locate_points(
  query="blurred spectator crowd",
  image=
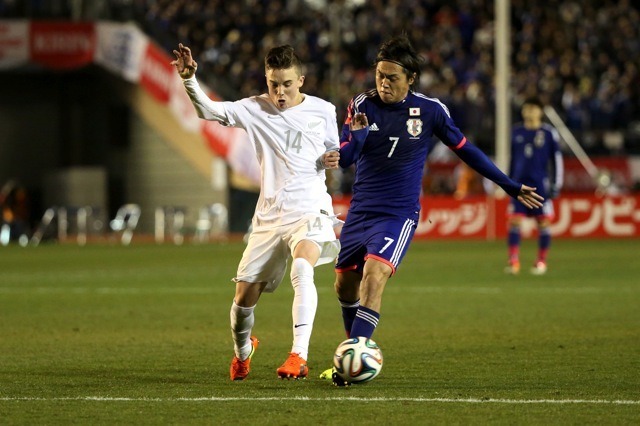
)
(581, 57)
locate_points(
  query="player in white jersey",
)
(295, 137)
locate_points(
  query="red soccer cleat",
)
(240, 369)
(295, 367)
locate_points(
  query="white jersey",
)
(288, 143)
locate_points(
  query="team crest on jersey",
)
(414, 126)
(315, 127)
(538, 140)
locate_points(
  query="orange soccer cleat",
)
(295, 367)
(240, 369)
(513, 268)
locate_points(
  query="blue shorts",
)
(516, 208)
(383, 237)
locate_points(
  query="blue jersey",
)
(536, 159)
(390, 154)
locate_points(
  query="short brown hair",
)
(281, 58)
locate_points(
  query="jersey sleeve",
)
(444, 127)
(478, 161)
(351, 143)
(450, 135)
(205, 107)
(331, 141)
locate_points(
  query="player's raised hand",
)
(529, 197)
(359, 121)
(184, 62)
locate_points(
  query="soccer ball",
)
(357, 360)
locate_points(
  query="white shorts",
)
(266, 256)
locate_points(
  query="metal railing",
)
(65, 222)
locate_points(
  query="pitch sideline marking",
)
(327, 399)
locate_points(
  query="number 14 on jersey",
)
(293, 141)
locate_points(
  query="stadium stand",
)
(581, 57)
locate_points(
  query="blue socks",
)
(544, 241)
(349, 311)
(364, 323)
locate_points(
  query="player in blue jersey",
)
(537, 161)
(388, 134)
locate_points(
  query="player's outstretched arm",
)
(529, 197)
(184, 62)
(478, 161)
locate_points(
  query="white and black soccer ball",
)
(357, 360)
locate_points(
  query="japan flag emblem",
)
(414, 126)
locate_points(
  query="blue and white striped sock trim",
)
(366, 316)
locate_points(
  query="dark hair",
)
(533, 100)
(400, 51)
(281, 58)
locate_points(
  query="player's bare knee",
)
(377, 269)
(374, 282)
(247, 294)
(544, 223)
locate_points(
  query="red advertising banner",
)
(62, 45)
(591, 216)
(446, 217)
(215, 134)
(576, 178)
(576, 216)
(156, 73)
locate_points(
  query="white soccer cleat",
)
(540, 268)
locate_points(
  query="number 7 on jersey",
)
(395, 140)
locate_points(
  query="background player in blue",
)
(388, 134)
(537, 161)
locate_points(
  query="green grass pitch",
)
(105, 334)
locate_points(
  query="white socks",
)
(305, 303)
(303, 312)
(241, 324)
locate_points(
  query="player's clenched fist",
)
(184, 62)
(359, 121)
(330, 159)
